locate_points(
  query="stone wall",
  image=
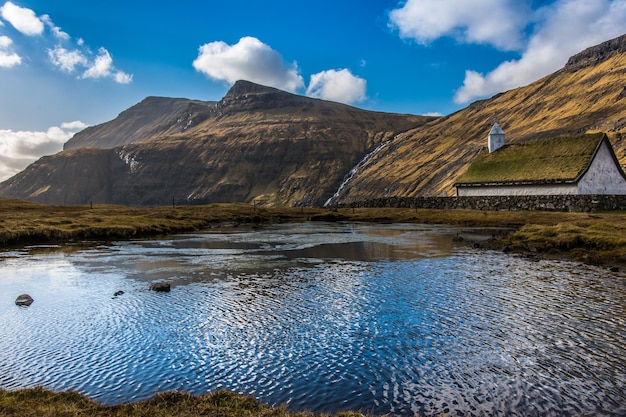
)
(583, 203)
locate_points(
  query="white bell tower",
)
(496, 136)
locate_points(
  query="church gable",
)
(604, 174)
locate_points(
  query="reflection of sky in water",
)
(376, 318)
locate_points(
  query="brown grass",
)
(23, 222)
(43, 403)
(587, 237)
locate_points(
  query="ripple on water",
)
(472, 332)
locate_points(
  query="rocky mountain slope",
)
(587, 95)
(256, 144)
(153, 117)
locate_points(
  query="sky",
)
(66, 65)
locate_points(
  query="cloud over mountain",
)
(561, 30)
(249, 59)
(252, 60)
(337, 85)
(544, 37)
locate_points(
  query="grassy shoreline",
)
(596, 238)
(45, 403)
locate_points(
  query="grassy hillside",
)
(428, 160)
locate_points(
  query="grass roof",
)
(541, 160)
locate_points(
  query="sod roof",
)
(561, 159)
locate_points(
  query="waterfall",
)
(352, 174)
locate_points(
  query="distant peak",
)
(246, 95)
(248, 87)
(596, 54)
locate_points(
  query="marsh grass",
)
(43, 403)
(587, 237)
(23, 222)
(599, 242)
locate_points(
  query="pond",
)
(394, 319)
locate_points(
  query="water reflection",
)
(383, 319)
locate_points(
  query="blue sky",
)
(65, 64)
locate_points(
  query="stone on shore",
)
(160, 287)
(24, 300)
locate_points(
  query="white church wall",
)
(504, 190)
(602, 177)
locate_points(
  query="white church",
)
(584, 164)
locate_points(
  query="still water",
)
(378, 318)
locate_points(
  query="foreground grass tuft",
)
(43, 403)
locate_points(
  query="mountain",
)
(587, 95)
(265, 145)
(153, 117)
(257, 143)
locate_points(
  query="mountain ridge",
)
(596, 54)
(153, 116)
(257, 143)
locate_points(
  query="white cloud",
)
(56, 31)
(75, 60)
(75, 125)
(121, 77)
(8, 58)
(337, 85)
(69, 60)
(22, 19)
(19, 149)
(496, 22)
(562, 29)
(66, 60)
(101, 67)
(249, 59)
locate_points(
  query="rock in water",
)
(24, 300)
(120, 292)
(160, 287)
